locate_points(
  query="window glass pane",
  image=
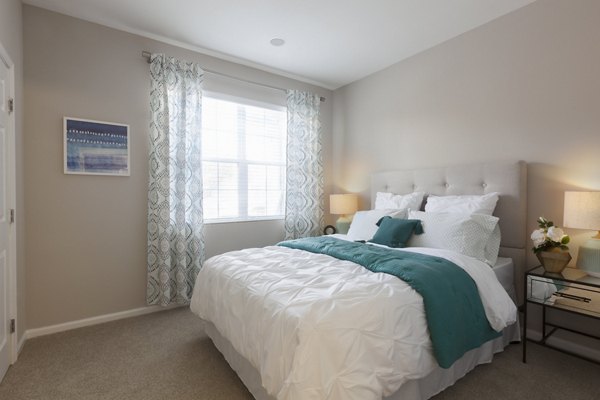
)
(210, 204)
(228, 176)
(255, 148)
(227, 145)
(275, 178)
(210, 175)
(257, 177)
(228, 190)
(209, 113)
(226, 130)
(226, 116)
(273, 150)
(228, 204)
(209, 142)
(255, 121)
(275, 202)
(257, 203)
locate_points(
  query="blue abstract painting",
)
(94, 147)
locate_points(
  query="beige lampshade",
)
(582, 210)
(343, 204)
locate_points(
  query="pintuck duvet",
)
(317, 327)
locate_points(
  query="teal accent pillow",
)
(395, 232)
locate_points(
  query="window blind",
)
(243, 159)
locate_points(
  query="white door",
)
(5, 130)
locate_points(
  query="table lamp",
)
(582, 211)
(344, 205)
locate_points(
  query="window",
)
(243, 160)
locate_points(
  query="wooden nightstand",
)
(571, 291)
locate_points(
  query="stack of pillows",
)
(459, 223)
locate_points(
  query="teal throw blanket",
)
(453, 308)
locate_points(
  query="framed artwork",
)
(96, 147)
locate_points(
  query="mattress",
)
(505, 272)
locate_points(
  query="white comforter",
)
(320, 328)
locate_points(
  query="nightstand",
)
(571, 291)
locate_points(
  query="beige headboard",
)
(507, 178)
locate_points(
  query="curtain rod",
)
(147, 55)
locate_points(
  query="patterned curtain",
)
(175, 231)
(304, 214)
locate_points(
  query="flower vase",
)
(554, 261)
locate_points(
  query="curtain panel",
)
(304, 215)
(175, 227)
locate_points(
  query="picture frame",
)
(96, 147)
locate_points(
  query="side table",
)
(571, 291)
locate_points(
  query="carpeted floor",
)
(166, 356)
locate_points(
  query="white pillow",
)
(363, 226)
(463, 233)
(468, 204)
(385, 200)
(471, 204)
(492, 247)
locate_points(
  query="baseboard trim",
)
(21, 343)
(67, 326)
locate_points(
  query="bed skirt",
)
(418, 389)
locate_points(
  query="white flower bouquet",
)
(548, 237)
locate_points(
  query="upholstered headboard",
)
(507, 178)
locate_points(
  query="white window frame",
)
(243, 164)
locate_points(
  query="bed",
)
(284, 345)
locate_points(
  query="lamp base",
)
(342, 225)
(589, 257)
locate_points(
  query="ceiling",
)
(327, 42)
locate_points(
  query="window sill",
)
(232, 220)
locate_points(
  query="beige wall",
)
(11, 37)
(525, 86)
(86, 235)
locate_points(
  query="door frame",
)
(11, 201)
